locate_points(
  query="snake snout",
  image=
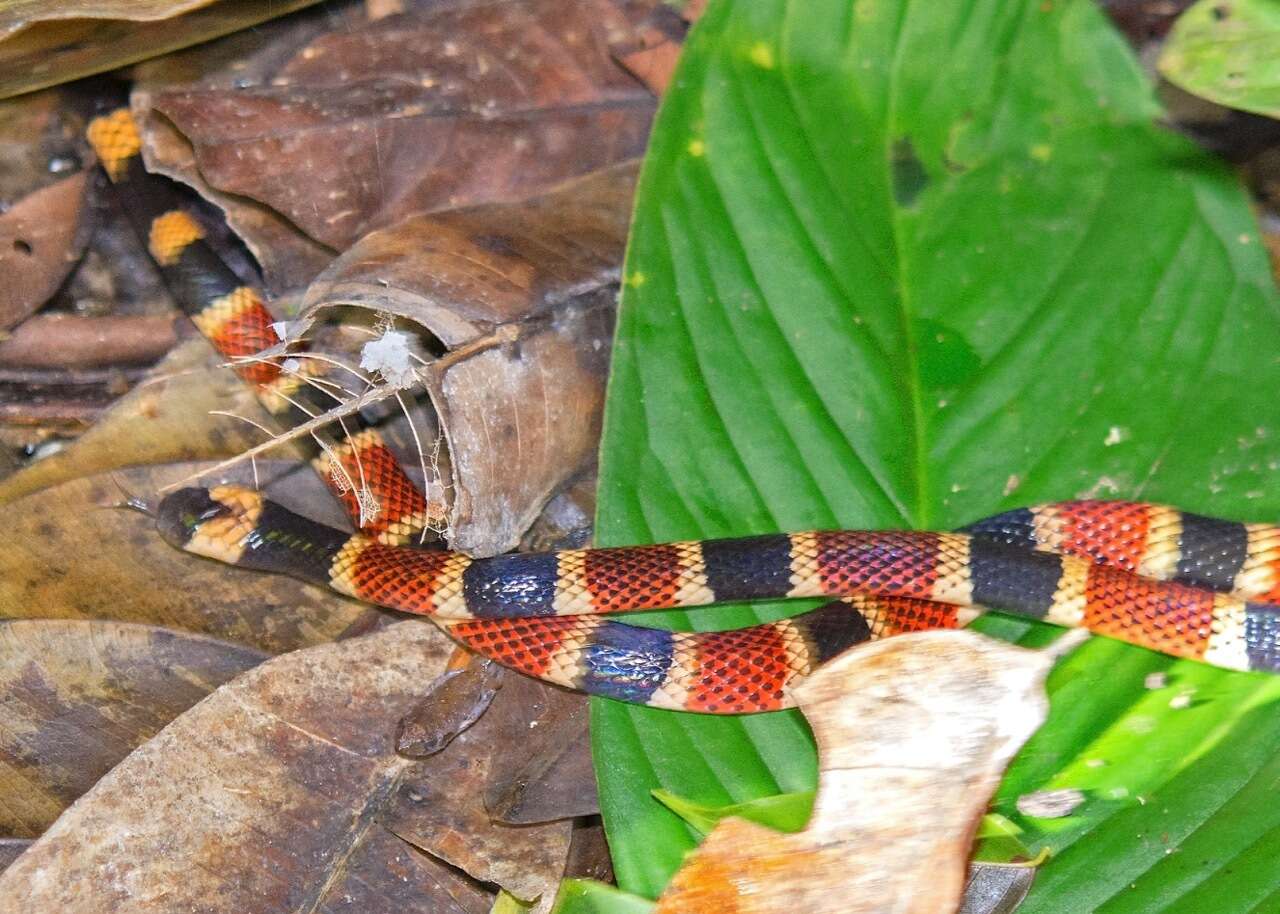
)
(181, 513)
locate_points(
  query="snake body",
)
(1179, 583)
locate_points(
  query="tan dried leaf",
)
(166, 419)
(266, 796)
(77, 697)
(913, 735)
(45, 44)
(66, 557)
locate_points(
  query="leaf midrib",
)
(921, 517)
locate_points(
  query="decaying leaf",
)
(67, 558)
(77, 697)
(913, 734)
(550, 778)
(40, 239)
(287, 256)
(440, 805)
(45, 44)
(450, 106)
(519, 417)
(449, 706)
(266, 796)
(168, 418)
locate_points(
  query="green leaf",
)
(784, 812)
(908, 264)
(1228, 51)
(506, 903)
(582, 896)
(789, 812)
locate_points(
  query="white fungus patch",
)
(389, 355)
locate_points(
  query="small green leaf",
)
(789, 812)
(506, 903)
(1228, 51)
(582, 896)
(785, 812)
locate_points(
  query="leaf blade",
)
(1058, 300)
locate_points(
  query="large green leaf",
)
(909, 263)
(1228, 51)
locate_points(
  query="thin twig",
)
(502, 335)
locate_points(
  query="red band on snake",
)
(540, 612)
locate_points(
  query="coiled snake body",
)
(1179, 583)
(1187, 585)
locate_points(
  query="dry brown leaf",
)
(449, 706)
(40, 241)
(288, 257)
(551, 777)
(66, 558)
(430, 110)
(913, 735)
(520, 419)
(77, 697)
(440, 804)
(73, 342)
(45, 44)
(165, 419)
(266, 796)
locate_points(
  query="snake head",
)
(210, 522)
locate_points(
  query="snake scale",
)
(1186, 585)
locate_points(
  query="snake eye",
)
(183, 512)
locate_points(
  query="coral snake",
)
(1175, 582)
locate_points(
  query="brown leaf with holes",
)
(266, 796)
(522, 298)
(40, 241)
(65, 557)
(77, 697)
(905, 772)
(448, 106)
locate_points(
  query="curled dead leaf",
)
(450, 705)
(536, 279)
(913, 735)
(435, 109)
